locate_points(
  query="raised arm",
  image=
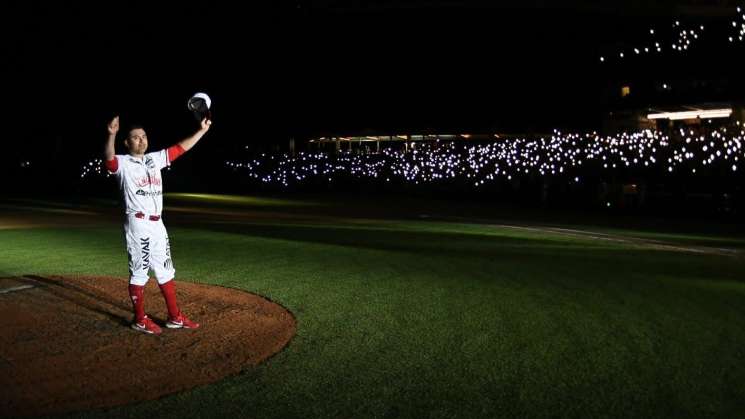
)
(113, 128)
(189, 142)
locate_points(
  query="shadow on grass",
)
(552, 256)
(391, 239)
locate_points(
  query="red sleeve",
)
(174, 152)
(112, 165)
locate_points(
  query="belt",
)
(149, 217)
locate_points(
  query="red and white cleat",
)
(181, 322)
(147, 326)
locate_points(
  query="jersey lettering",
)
(140, 182)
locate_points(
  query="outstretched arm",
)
(189, 142)
(113, 128)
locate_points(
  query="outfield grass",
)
(417, 318)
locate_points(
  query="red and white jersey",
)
(140, 180)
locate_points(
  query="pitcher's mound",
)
(66, 344)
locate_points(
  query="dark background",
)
(281, 70)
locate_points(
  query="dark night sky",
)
(298, 68)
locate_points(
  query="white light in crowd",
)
(683, 41)
(560, 155)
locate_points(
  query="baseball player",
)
(148, 249)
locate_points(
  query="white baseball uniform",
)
(141, 185)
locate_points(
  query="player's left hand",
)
(205, 124)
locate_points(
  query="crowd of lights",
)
(739, 26)
(564, 155)
(682, 38)
(94, 168)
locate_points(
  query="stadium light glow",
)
(703, 114)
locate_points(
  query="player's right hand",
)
(114, 126)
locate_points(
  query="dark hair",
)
(132, 127)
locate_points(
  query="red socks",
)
(169, 293)
(136, 293)
(138, 301)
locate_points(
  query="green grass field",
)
(430, 318)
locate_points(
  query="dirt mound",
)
(66, 345)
